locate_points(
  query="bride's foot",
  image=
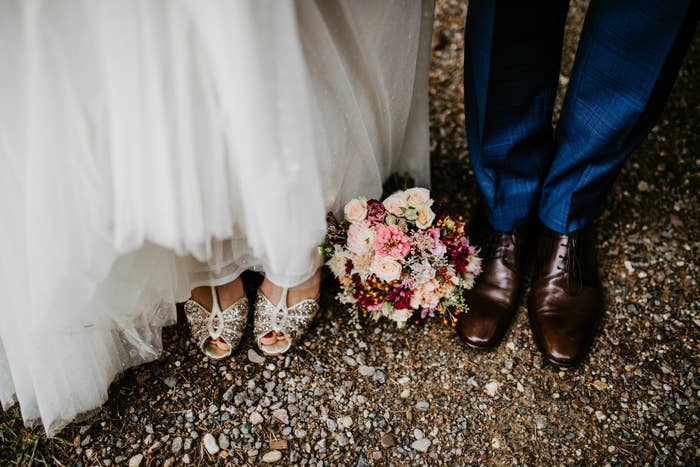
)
(218, 332)
(279, 326)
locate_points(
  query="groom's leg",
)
(511, 73)
(628, 58)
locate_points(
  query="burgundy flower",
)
(375, 211)
(458, 253)
(439, 207)
(401, 297)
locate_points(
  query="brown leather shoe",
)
(566, 298)
(493, 300)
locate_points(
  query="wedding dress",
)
(150, 147)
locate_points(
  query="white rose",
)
(417, 197)
(386, 268)
(425, 217)
(401, 317)
(395, 203)
(356, 210)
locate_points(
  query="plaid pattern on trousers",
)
(628, 57)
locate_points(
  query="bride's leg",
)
(228, 295)
(311, 288)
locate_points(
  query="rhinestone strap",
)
(292, 321)
(228, 324)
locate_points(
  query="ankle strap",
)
(283, 299)
(215, 329)
(214, 299)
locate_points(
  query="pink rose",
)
(389, 240)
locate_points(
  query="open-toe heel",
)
(212, 329)
(278, 327)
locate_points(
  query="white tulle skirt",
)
(150, 147)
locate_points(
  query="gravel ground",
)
(364, 396)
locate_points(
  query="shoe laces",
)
(570, 263)
(496, 245)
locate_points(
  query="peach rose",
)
(427, 295)
(386, 268)
(425, 217)
(417, 197)
(395, 203)
(356, 210)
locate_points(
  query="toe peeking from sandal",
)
(278, 327)
(218, 332)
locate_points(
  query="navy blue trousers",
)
(628, 57)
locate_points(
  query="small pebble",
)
(331, 425)
(379, 377)
(256, 418)
(272, 456)
(422, 406)
(254, 357)
(387, 441)
(210, 444)
(421, 445)
(491, 388)
(176, 446)
(281, 415)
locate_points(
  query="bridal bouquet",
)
(400, 258)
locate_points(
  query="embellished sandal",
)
(217, 326)
(278, 327)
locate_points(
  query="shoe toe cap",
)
(564, 341)
(484, 325)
